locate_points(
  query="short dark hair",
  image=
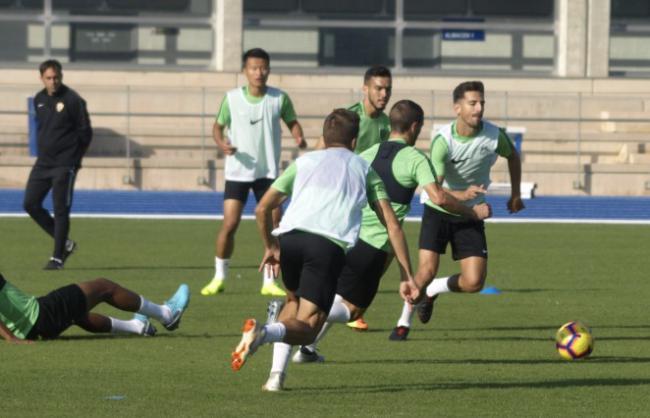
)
(340, 127)
(376, 71)
(256, 53)
(403, 114)
(459, 91)
(45, 65)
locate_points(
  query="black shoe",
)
(54, 264)
(425, 309)
(399, 333)
(69, 248)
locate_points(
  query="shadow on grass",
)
(590, 360)
(549, 384)
(160, 335)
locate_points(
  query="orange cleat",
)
(358, 325)
(252, 335)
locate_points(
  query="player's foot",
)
(54, 264)
(399, 333)
(178, 303)
(272, 289)
(252, 335)
(425, 309)
(68, 249)
(273, 310)
(306, 355)
(358, 325)
(215, 286)
(275, 383)
(148, 330)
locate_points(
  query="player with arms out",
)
(252, 114)
(328, 190)
(462, 154)
(24, 318)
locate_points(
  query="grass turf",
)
(482, 355)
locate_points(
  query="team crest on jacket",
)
(59, 106)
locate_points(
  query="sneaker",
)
(425, 309)
(306, 355)
(358, 325)
(275, 383)
(70, 247)
(148, 330)
(272, 289)
(215, 286)
(54, 264)
(273, 310)
(252, 335)
(178, 303)
(399, 333)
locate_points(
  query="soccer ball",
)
(571, 328)
(574, 341)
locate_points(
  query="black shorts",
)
(238, 190)
(311, 266)
(467, 237)
(359, 280)
(57, 311)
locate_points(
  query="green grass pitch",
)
(482, 355)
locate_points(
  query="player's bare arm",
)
(220, 139)
(448, 201)
(386, 215)
(9, 337)
(515, 204)
(263, 215)
(297, 134)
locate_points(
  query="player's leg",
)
(38, 185)
(105, 291)
(235, 197)
(270, 286)
(62, 191)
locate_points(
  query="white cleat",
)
(306, 355)
(275, 383)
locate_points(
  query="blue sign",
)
(463, 35)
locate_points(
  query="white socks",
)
(339, 313)
(268, 274)
(221, 268)
(132, 326)
(161, 312)
(274, 333)
(407, 314)
(438, 286)
(281, 354)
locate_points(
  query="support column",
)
(598, 21)
(571, 35)
(228, 27)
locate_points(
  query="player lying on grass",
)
(328, 190)
(462, 154)
(24, 318)
(402, 169)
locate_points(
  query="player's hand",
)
(301, 143)
(227, 149)
(473, 191)
(271, 259)
(482, 211)
(409, 291)
(515, 204)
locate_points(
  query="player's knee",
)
(31, 206)
(472, 283)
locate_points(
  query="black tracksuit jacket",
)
(64, 131)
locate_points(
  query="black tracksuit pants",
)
(61, 181)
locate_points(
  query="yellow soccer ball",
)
(571, 328)
(575, 346)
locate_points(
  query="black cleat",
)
(399, 333)
(425, 309)
(68, 249)
(54, 264)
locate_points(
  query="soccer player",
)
(328, 190)
(462, 154)
(252, 114)
(64, 135)
(402, 169)
(24, 317)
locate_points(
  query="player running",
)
(462, 154)
(328, 190)
(24, 318)
(402, 168)
(252, 114)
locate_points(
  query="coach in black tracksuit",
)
(64, 134)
